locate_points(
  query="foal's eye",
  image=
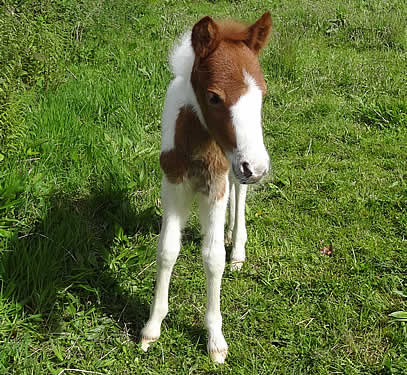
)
(214, 98)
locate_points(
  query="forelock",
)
(232, 31)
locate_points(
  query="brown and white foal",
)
(211, 124)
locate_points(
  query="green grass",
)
(82, 86)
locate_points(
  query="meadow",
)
(324, 288)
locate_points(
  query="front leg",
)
(176, 200)
(212, 213)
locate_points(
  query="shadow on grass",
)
(68, 253)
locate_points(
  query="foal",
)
(211, 123)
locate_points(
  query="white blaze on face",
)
(246, 119)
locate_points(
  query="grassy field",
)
(82, 85)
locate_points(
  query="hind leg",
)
(239, 233)
(176, 201)
(232, 211)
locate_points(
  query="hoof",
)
(236, 265)
(146, 341)
(217, 348)
(219, 356)
(149, 334)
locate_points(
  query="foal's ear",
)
(259, 33)
(204, 37)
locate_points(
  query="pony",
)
(212, 146)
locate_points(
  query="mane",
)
(182, 55)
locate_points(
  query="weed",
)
(386, 113)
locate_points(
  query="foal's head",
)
(229, 87)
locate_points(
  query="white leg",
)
(232, 209)
(176, 201)
(212, 215)
(239, 236)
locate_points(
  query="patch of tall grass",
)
(38, 40)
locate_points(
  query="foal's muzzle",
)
(248, 171)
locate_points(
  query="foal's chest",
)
(196, 157)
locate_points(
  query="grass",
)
(82, 89)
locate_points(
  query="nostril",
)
(246, 169)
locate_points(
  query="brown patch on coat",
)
(174, 165)
(196, 156)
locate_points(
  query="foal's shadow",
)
(68, 252)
